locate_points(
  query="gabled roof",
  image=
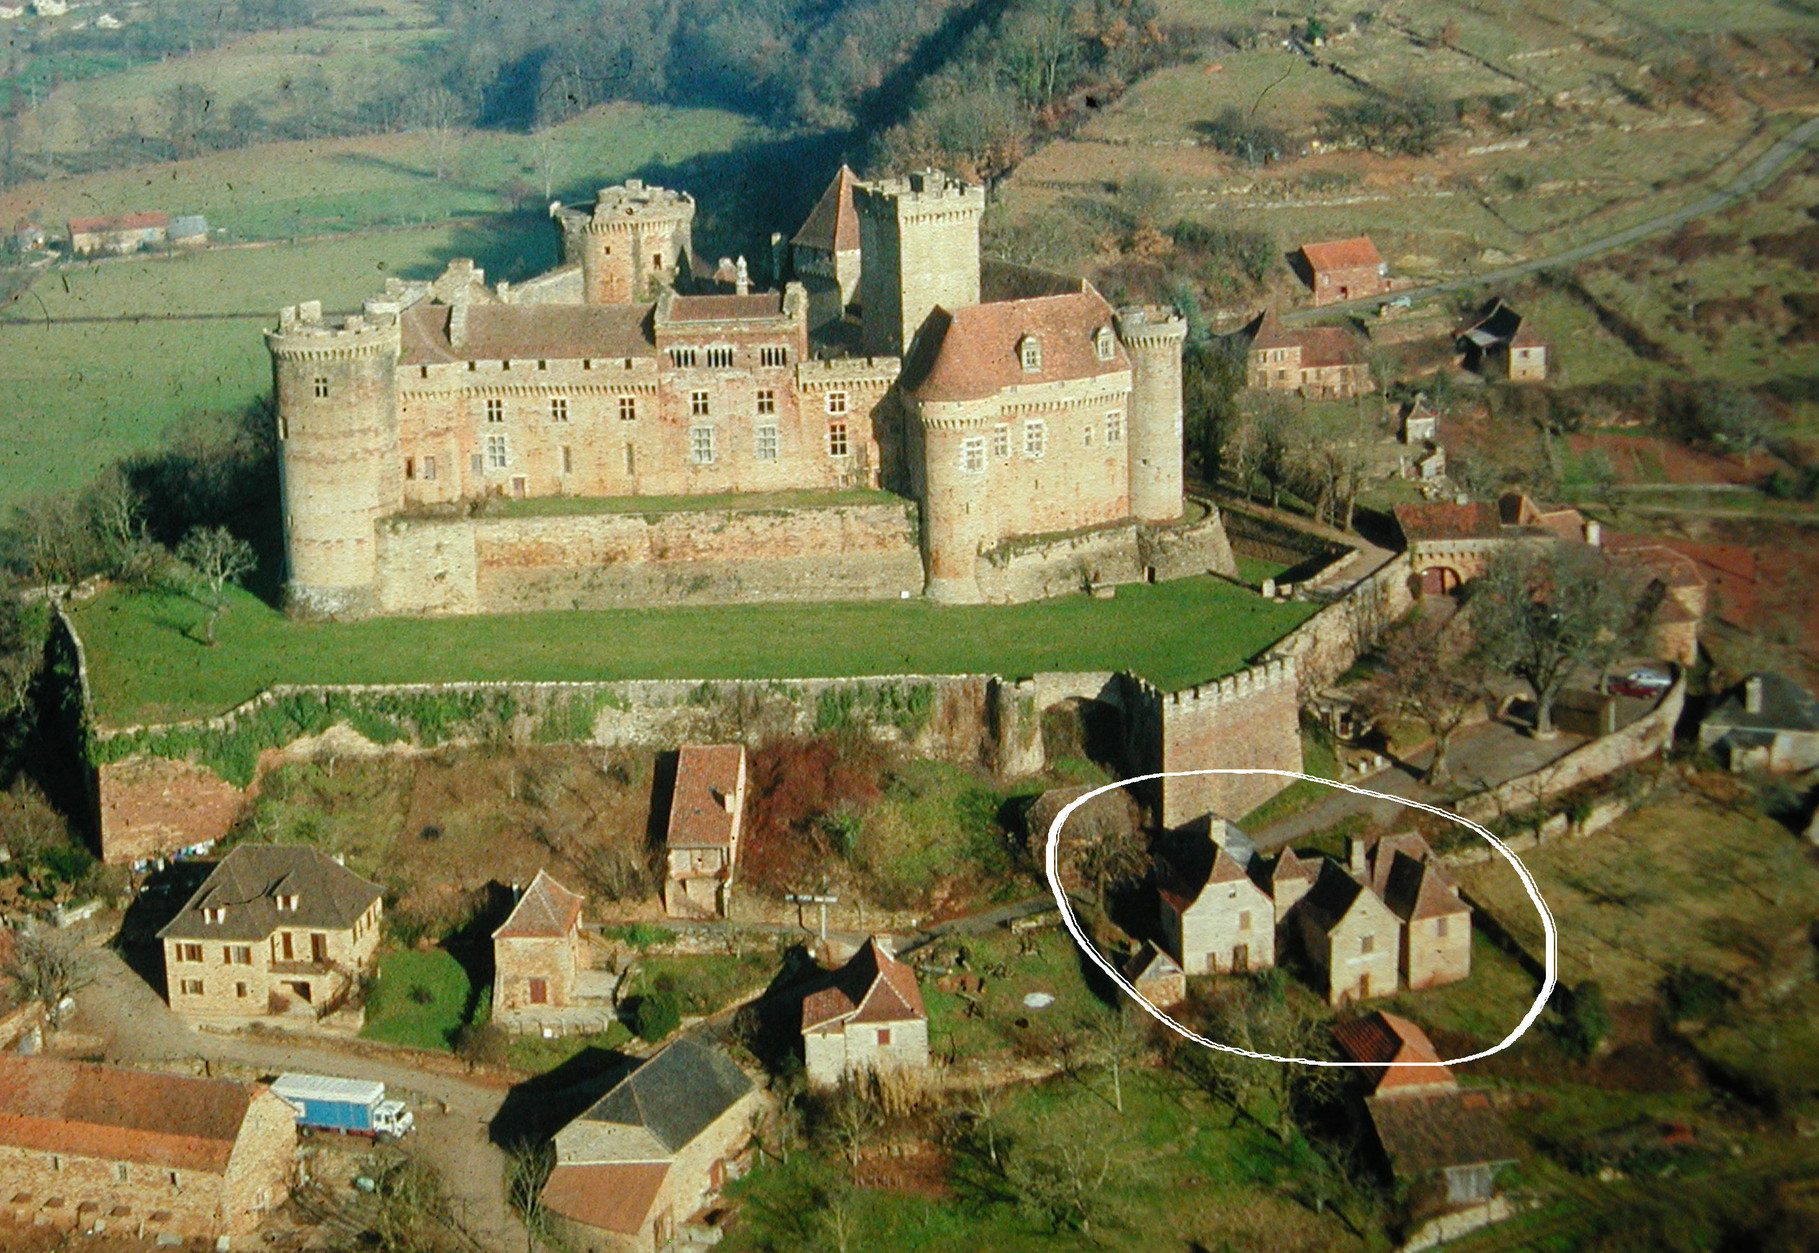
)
(1420, 889)
(1380, 1038)
(1438, 1130)
(1342, 254)
(247, 882)
(120, 222)
(1334, 895)
(872, 987)
(701, 808)
(673, 1097)
(1494, 321)
(1319, 345)
(1289, 866)
(171, 1121)
(1268, 332)
(972, 353)
(547, 909)
(721, 308)
(1150, 962)
(614, 1196)
(1786, 706)
(1445, 520)
(520, 332)
(833, 224)
(1381, 856)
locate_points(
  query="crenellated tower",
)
(634, 238)
(919, 244)
(338, 453)
(1153, 338)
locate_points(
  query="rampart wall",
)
(589, 561)
(1326, 645)
(1020, 570)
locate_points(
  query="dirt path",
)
(1750, 180)
(453, 1115)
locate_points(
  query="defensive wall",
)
(1325, 646)
(1034, 568)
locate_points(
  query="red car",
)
(1646, 682)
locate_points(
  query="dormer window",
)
(287, 902)
(1102, 343)
(214, 913)
(1029, 351)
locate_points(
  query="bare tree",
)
(218, 557)
(1428, 670)
(1116, 1039)
(439, 113)
(1260, 1015)
(1058, 1176)
(47, 970)
(546, 159)
(853, 1119)
(411, 1212)
(1542, 613)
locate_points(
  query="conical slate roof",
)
(833, 224)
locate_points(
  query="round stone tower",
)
(634, 238)
(918, 248)
(340, 469)
(952, 466)
(1153, 338)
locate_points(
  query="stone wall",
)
(1253, 535)
(1250, 720)
(1020, 570)
(590, 561)
(1326, 645)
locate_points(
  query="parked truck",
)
(356, 1106)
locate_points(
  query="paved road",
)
(452, 1115)
(1753, 177)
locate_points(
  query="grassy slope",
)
(146, 665)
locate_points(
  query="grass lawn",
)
(1317, 758)
(1053, 967)
(536, 1055)
(420, 999)
(705, 984)
(146, 662)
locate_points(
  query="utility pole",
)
(799, 899)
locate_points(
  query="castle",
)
(1020, 436)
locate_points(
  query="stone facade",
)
(1355, 946)
(619, 376)
(701, 844)
(537, 950)
(1248, 721)
(149, 1155)
(869, 1017)
(1345, 269)
(1226, 925)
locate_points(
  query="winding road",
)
(1750, 180)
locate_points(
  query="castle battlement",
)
(1256, 678)
(632, 201)
(1150, 325)
(303, 332)
(829, 371)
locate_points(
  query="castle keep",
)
(1018, 436)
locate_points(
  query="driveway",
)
(453, 1115)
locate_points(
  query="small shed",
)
(189, 230)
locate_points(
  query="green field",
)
(419, 999)
(146, 663)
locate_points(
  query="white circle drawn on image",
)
(1051, 855)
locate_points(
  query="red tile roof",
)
(547, 909)
(767, 304)
(872, 987)
(520, 332)
(613, 1196)
(1319, 345)
(1381, 1038)
(833, 224)
(1444, 520)
(971, 353)
(116, 1114)
(707, 778)
(120, 222)
(1342, 254)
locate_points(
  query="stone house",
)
(1321, 362)
(1289, 878)
(537, 949)
(639, 1168)
(26, 236)
(189, 230)
(1349, 936)
(1436, 923)
(870, 1017)
(1156, 977)
(156, 1156)
(701, 848)
(124, 233)
(274, 929)
(1499, 342)
(1345, 269)
(1214, 918)
(1766, 722)
(1447, 1142)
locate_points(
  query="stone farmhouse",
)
(1349, 935)
(1498, 342)
(1766, 722)
(983, 404)
(1345, 269)
(161, 1157)
(638, 1168)
(124, 233)
(1446, 1141)
(869, 1018)
(275, 929)
(1321, 362)
(701, 847)
(537, 949)
(1214, 918)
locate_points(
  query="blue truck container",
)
(356, 1106)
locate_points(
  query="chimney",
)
(742, 279)
(1355, 854)
(1594, 532)
(457, 324)
(1752, 694)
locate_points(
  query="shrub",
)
(1694, 994)
(656, 1014)
(1584, 1019)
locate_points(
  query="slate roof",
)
(614, 1196)
(519, 332)
(873, 986)
(248, 881)
(1150, 962)
(1332, 896)
(1786, 706)
(1434, 1131)
(972, 353)
(547, 909)
(1342, 254)
(171, 1121)
(833, 224)
(1419, 889)
(1381, 1038)
(675, 1095)
(1380, 857)
(706, 776)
